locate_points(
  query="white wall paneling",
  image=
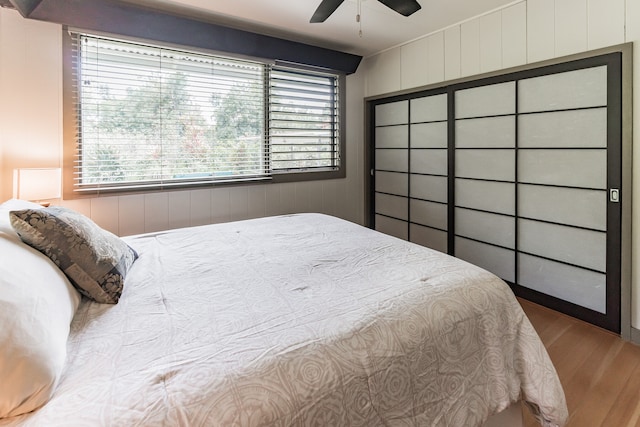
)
(200, 207)
(414, 64)
(435, 63)
(452, 53)
(570, 26)
(105, 213)
(470, 48)
(541, 36)
(257, 201)
(383, 72)
(156, 212)
(131, 215)
(179, 216)
(605, 23)
(239, 203)
(490, 41)
(514, 35)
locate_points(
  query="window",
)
(147, 116)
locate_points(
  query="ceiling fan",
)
(327, 7)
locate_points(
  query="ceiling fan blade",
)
(403, 7)
(326, 8)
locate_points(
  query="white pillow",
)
(37, 304)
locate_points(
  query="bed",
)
(299, 320)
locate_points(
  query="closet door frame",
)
(619, 159)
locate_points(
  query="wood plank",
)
(599, 371)
(626, 409)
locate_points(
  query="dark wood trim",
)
(614, 180)
(119, 17)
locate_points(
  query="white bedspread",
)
(299, 320)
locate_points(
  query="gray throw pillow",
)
(95, 260)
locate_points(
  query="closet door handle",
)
(614, 195)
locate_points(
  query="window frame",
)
(71, 140)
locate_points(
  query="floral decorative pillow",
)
(95, 260)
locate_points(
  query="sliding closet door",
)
(410, 170)
(567, 134)
(485, 175)
(520, 174)
(391, 169)
(428, 165)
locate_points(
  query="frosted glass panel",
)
(429, 135)
(488, 196)
(392, 137)
(499, 261)
(429, 213)
(433, 188)
(572, 168)
(579, 128)
(429, 109)
(394, 206)
(491, 228)
(486, 164)
(483, 101)
(429, 161)
(583, 208)
(392, 182)
(393, 227)
(429, 237)
(489, 132)
(572, 89)
(392, 160)
(572, 245)
(578, 286)
(392, 114)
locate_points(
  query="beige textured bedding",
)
(300, 320)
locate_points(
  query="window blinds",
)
(303, 121)
(149, 116)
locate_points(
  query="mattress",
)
(300, 320)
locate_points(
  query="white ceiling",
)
(382, 28)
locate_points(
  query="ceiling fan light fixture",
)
(327, 7)
(324, 10)
(403, 7)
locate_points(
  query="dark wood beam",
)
(25, 7)
(118, 17)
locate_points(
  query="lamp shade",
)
(37, 183)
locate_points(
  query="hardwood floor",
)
(599, 371)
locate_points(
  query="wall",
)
(31, 136)
(521, 33)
